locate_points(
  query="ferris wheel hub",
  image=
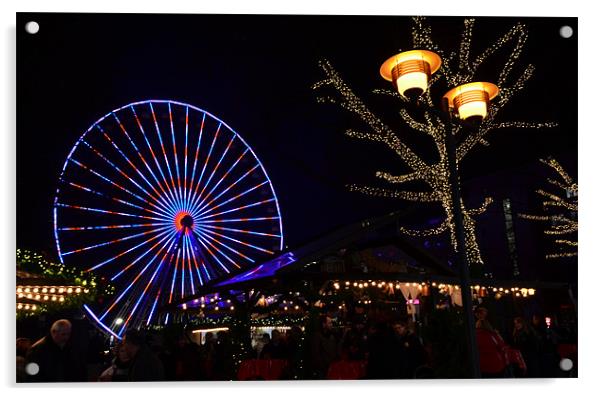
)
(187, 221)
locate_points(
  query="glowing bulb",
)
(406, 83)
(44, 290)
(118, 321)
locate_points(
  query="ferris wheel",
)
(161, 197)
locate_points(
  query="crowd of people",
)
(536, 341)
(374, 349)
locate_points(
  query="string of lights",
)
(563, 208)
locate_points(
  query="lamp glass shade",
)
(473, 109)
(414, 80)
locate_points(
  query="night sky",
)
(255, 73)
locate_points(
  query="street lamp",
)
(471, 101)
(410, 73)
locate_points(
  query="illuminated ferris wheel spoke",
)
(143, 243)
(127, 159)
(157, 296)
(228, 247)
(137, 150)
(162, 228)
(165, 201)
(228, 188)
(196, 189)
(166, 192)
(111, 227)
(206, 243)
(105, 179)
(196, 264)
(182, 276)
(135, 280)
(242, 219)
(238, 196)
(219, 162)
(149, 283)
(77, 207)
(238, 208)
(121, 201)
(114, 241)
(188, 259)
(238, 241)
(196, 157)
(186, 154)
(241, 231)
(175, 153)
(163, 148)
(127, 177)
(216, 185)
(150, 316)
(173, 282)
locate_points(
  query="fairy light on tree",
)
(561, 219)
(456, 69)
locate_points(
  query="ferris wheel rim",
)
(210, 225)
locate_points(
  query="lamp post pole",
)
(410, 71)
(461, 256)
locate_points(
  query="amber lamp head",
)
(410, 71)
(470, 102)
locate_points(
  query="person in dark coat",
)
(120, 367)
(145, 365)
(53, 359)
(525, 340)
